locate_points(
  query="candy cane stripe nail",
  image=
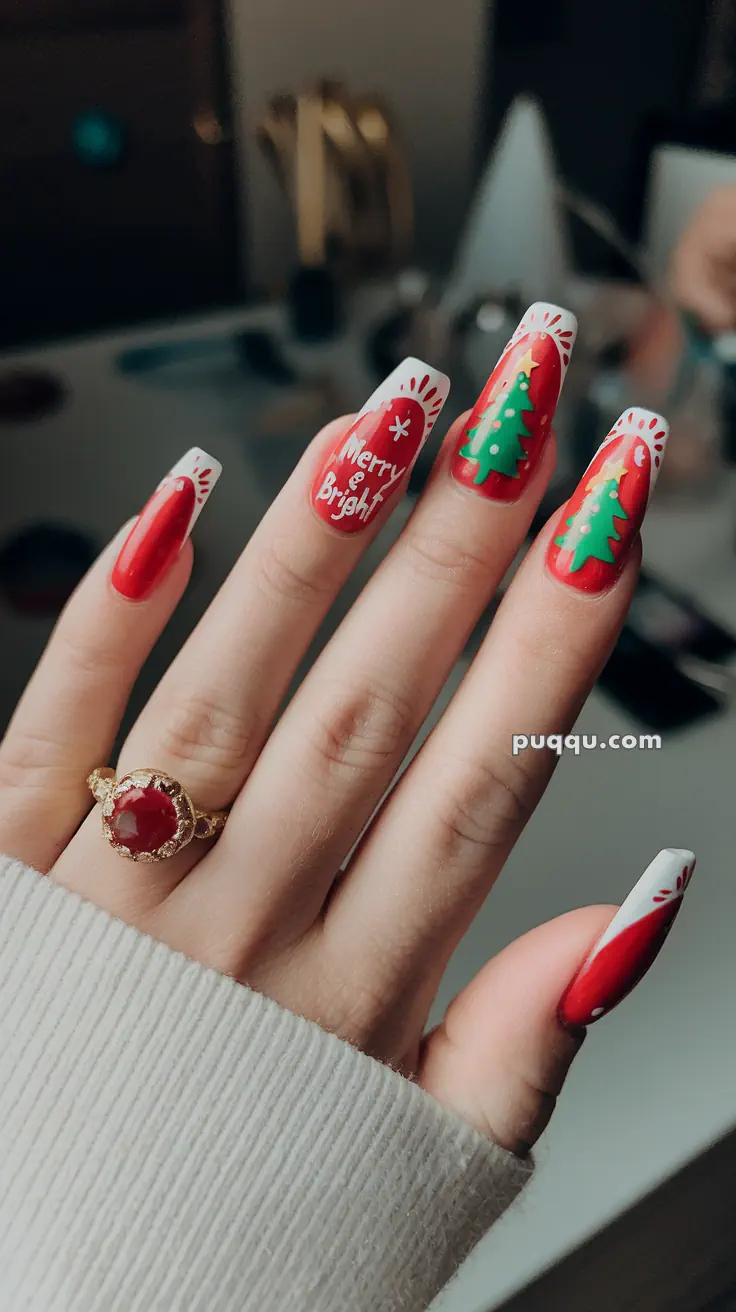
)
(504, 437)
(164, 525)
(370, 462)
(635, 936)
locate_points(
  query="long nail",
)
(164, 525)
(503, 440)
(623, 955)
(371, 461)
(603, 516)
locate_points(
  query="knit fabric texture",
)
(171, 1141)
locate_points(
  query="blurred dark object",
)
(673, 622)
(141, 87)
(408, 326)
(536, 23)
(41, 566)
(30, 16)
(263, 354)
(715, 83)
(314, 304)
(665, 666)
(385, 342)
(729, 404)
(650, 686)
(671, 1252)
(28, 394)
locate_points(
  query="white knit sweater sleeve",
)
(173, 1142)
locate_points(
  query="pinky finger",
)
(67, 720)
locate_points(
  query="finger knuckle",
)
(540, 648)
(363, 729)
(90, 657)
(281, 574)
(484, 804)
(30, 761)
(443, 558)
(201, 730)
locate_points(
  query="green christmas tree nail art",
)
(592, 530)
(494, 441)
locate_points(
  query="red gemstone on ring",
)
(143, 819)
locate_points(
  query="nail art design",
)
(505, 435)
(623, 955)
(370, 462)
(604, 514)
(164, 525)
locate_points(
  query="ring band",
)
(148, 816)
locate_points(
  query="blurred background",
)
(221, 224)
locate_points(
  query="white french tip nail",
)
(203, 471)
(664, 880)
(632, 941)
(650, 428)
(413, 378)
(556, 322)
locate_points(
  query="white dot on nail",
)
(494, 449)
(585, 528)
(597, 1011)
(509, 413)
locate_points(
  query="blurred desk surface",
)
(655, 1083)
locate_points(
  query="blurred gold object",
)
(346, 176)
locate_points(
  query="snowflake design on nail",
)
(399, 428)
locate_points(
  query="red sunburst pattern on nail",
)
(548, 321)
(431, 400)
(681, 883)
(201, 477)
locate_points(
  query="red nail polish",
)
(503, 440)
(604, 514)
(372, 461)
(634, 938)
(164, 525)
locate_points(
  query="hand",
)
(358, 943)
(704, 264)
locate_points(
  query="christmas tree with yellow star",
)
(591, 531)
(494, 441)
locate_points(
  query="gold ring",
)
(148, 816)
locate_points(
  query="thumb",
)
(500, 1056)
